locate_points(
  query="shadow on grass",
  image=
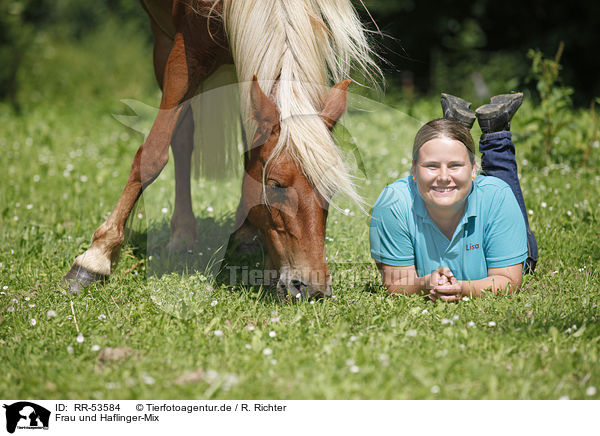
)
(216, 255)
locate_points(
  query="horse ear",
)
(264, 110)
(335, 104)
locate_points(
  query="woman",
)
(445, 230)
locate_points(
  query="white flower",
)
(354, 369)
(209, 209)
(101, 317)
(51, 314)
(411, 333)
(455, 318)
(32, 305)
(274, 361)
(250, 327)
(27, 298)
(164, 210)
(471, 324)
(214, 303)
(80, 338)
(5, 287)
(248, 347)
(569, 213)
(140, 216)
(591, 391)
(346, 211)
(435, 389)
(148, 379)
(530, 212)
(218, 333)
(424, 312)
(70, 349)
(447, 321)
(33, 321)
(352, 338)
(492, 324)
(544, 204)
(267, 351)
(95, 347)
(272, 334)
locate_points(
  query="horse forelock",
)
(297, 48)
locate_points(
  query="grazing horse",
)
(285, 53)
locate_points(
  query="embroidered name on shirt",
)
(472, 246)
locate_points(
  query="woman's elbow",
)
(515, 284)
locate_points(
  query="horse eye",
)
(272, 183)
(276, 192)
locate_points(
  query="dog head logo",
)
(26, 415)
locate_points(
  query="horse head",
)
(282, 203)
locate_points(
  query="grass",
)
(65, 160)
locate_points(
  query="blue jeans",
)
(498, 160)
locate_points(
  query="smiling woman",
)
(447, 231)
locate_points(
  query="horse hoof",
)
(176, 246)
(79, 277)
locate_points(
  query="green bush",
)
(15, 36)
(557, 133)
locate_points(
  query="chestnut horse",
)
(285, 52)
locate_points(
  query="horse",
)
(285, 53)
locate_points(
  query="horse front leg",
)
(183, 74)
(183, 222)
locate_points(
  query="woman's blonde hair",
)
(444, 128)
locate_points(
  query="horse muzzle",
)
(298, 288)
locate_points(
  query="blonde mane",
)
(298, 49)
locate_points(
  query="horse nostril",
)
(298, 288)
(298, 284)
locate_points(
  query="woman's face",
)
(444, 174)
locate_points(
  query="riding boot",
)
(457, 109)
(496, 116)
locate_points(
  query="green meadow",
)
(164, 328)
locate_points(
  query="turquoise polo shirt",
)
(491, 233)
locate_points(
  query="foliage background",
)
(474, 48)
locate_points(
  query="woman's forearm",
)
(408, 285)
(493, 284)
